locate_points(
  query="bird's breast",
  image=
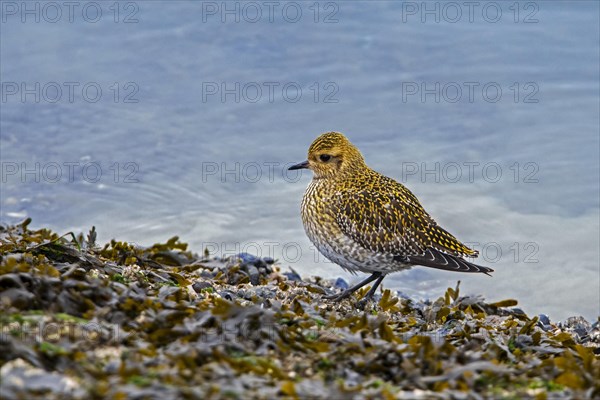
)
(319, 216)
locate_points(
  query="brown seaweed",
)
(123, 321)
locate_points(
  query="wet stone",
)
(247, 257)
(207, 274)
(228, 294)
(201, 286)
(254, 275)
(292, 275)
(543, 318)
(10, 281)
(340, 283)
(17, 298)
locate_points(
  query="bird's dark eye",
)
(324, 157)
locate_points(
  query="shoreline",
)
(82, 320)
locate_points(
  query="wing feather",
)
(385, 216)
(436, 259)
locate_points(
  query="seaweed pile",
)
(121, 321)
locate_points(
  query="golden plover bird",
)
(367, 222)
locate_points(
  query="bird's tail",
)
(436, 259)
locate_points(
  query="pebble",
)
(254, 275)
(292, 276)
(201, 286)
(340, 283)
(247, 257)
(543, 318)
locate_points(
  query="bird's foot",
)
(362, 303)
(376, 276)
(338, 296)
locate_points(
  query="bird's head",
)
(332, 155)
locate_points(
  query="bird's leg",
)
(371, 292)
(376, 275)
(363, 302)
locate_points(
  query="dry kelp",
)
(121, 321)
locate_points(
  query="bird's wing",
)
(436, 259)
(390, 219)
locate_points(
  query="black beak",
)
(303, 164)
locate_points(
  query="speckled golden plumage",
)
(365, 221)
